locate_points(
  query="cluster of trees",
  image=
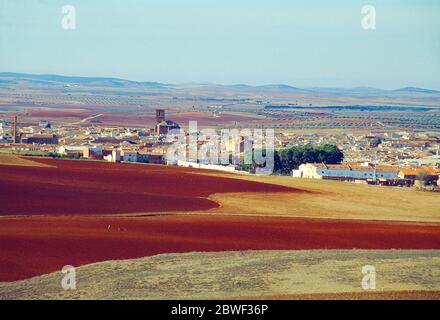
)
(288, 159)
(291, 158)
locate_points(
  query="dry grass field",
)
(332, 199)
(19, 161)
(323, 274)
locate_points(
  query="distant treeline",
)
(288, 159)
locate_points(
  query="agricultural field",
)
(93, 214)
(87, 187)
(12, 160)
(47, 243)
(333, 199)
(120, 102)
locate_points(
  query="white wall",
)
(188, 164)
(311, 172)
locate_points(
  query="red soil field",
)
(58, 113)
(182, 118)
(131, 119)
(87, 187)
(207, 119)
(32, 246)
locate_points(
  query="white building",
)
(63, 150)
(86, 151)
(187, 164)
(114, 157)
(356, 171)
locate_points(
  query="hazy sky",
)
(301, 43)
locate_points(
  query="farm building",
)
(430, 175)
(348, 172)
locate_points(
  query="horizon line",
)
(215, 83)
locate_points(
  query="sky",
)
(301, 43)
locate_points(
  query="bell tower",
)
(160, 115)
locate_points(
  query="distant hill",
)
(416, 90)
(11, 77)
(355, 90)
(281, 87)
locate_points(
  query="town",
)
(400, 158)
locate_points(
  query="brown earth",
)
(87, 187)
(38, 245)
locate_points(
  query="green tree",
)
(287, 159)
